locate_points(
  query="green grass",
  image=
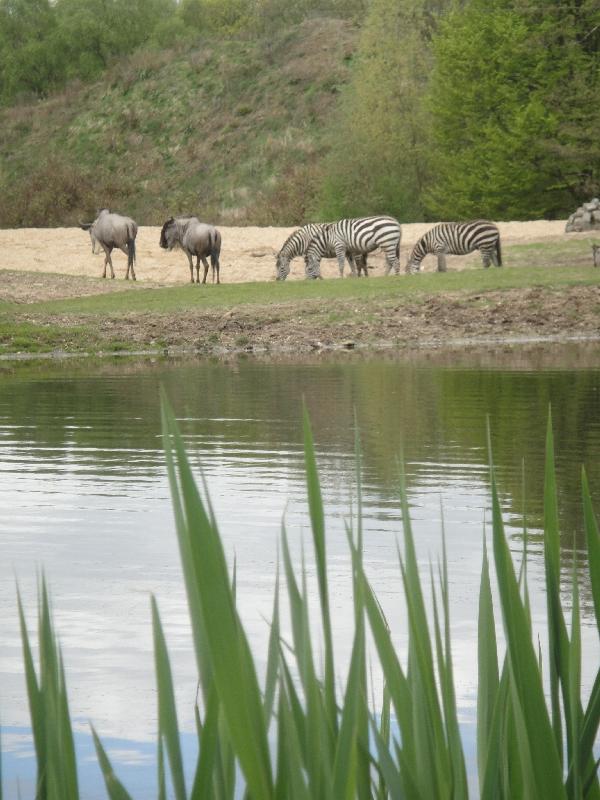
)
(402, 287)
(27, 337)
(329, 738)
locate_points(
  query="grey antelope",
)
(362, 235)
(110, 231)
(195, 238)
(457, 239)
(297, 245)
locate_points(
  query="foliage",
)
(330, 741)
(378, 139)
(515, 102)
(43, 43)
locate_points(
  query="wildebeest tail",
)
(130, 247)
(215, 247)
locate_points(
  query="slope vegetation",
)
(230, 129)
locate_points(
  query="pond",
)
(85, 498)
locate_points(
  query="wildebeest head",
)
(168, 234)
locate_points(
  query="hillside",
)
(231, 129)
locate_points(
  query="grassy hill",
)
(231, 130)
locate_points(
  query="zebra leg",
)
(391, 260)
(313, 268)
(487, 260)
(352, 262)
(340, 252)
(441, 257)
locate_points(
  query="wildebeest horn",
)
(85, 226)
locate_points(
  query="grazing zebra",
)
(353, 236)
(457, 239)
(297, 245)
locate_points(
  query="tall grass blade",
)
(533, 725)
(36, 710)
(162, 785)
(488, 677)
(114, 787)
(576, 785)
(184, 540)
(592, 539)
(272, 673)
(290, 782)
(315, 505)
(231, 662)
(206, 780)
(346, 756)
(168, 728)
(390, 783)
(557, 643)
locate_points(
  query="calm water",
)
(84, 496)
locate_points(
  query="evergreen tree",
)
(515, 105)
(378, 138)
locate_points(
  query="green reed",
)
(300, 736)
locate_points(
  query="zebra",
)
(362, 235)
(297, 245)
(457, 239)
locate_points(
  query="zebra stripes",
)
(457, 239)
(297, 245)
(355, 236)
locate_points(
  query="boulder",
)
(585, 218)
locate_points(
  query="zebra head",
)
(413, 263)
(283, 267)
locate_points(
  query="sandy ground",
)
(248, 254)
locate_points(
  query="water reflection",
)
(84, 493)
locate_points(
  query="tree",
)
(27, 64)
(378, 138)
(515, 102)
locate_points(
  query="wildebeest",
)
(113, 230)
(195, 239)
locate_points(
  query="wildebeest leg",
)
(205, 263)
(191, 260)
(107, 260)
(198, 269)
(441, 257)
(125, 249)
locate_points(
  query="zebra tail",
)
(499, 252)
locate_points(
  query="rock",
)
(585, 218)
